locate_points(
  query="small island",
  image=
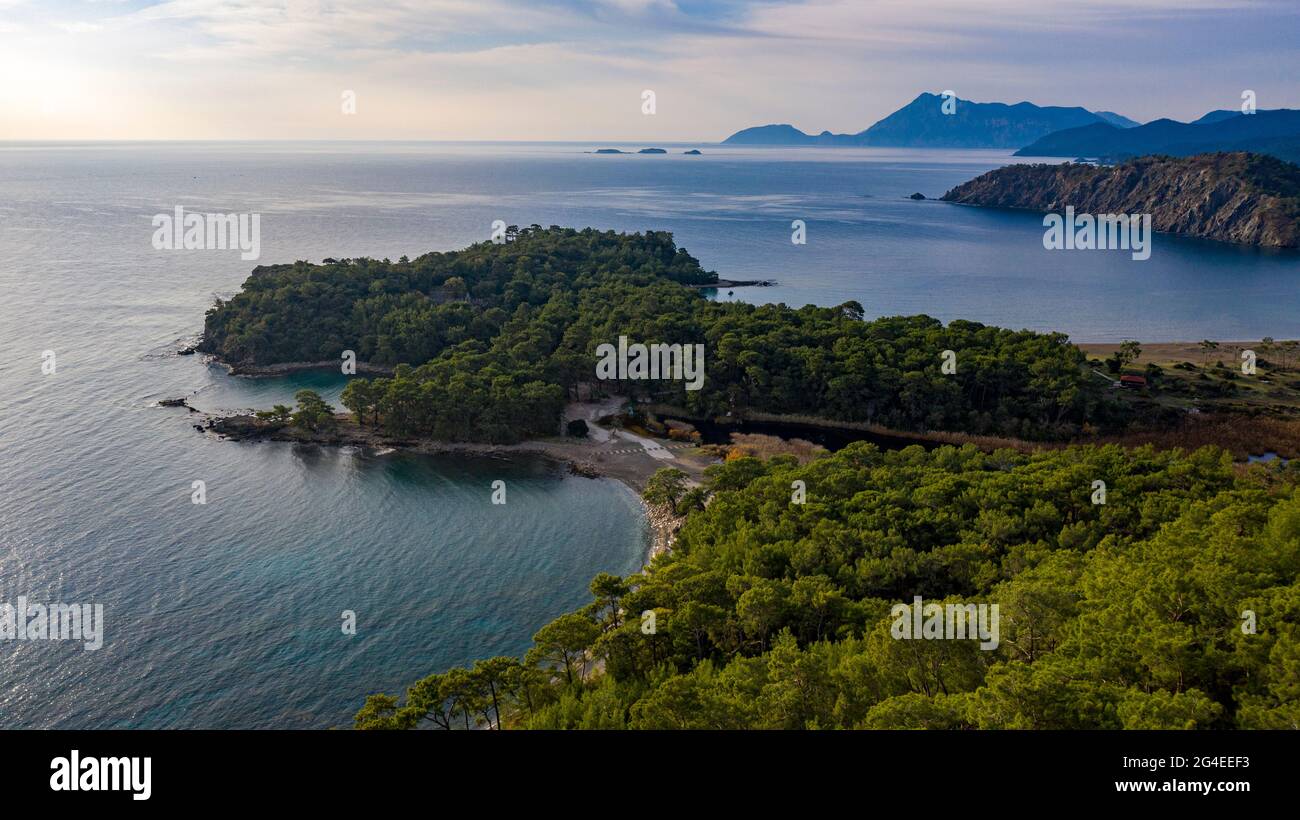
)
(652, 151)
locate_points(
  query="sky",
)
(578, 69)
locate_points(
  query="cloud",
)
(78, 27)
(564, 69)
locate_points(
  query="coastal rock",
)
(241, 428)
(256, 370)
(181, 402)
(664, 524)
(917, 195)
(736, 283)
(1244, 198)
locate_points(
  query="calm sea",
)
(228, 614)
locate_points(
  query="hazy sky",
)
(576, 69)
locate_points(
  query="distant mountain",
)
(1267, 132)
(1240, 197)
(1215, 116)
(1118, 120)
(768, 135)
(923, 124)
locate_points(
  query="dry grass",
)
(764, 447)
(1213, 388)
(1240, 435)
(1168, 353)
(990, 443)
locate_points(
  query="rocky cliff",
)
(1237, 197)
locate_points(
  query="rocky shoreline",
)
(347, 433)
(736, 283)
(1224, 197)
(664, 525)
(289, 368)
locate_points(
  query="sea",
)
(311, 577)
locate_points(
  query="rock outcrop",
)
(1238, 197)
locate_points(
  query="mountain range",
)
(1274, 132)
(922, 123)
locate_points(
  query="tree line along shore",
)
(490, 343)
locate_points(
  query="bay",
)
(228, 614)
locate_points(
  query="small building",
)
(1132, 381)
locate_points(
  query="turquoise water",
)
(228, 614)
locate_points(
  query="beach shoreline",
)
(631, 459)
(606, 453)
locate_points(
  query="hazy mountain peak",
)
(931, 120)
(1216, 116)
(1118, 120)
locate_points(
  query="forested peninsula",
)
(487, 344)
